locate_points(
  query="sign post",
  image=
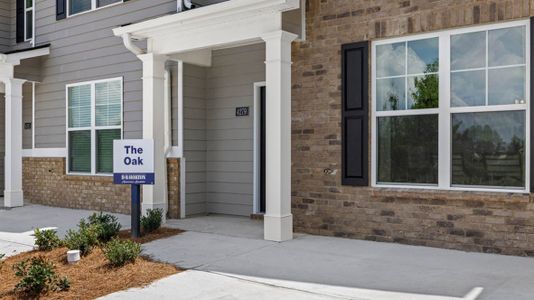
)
(133, 164)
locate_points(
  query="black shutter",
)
(20, 21)
(531, 110)
(61, 9)
(355, 133)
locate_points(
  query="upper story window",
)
(450, 110)
(80, 6)
(28, 19)
(94, 120)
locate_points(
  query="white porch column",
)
(13, 195)
(278, 220)
(155, 196)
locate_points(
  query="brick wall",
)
(45, 182)
(486, 222)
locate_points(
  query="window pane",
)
(468, 51)
(100, 3)
(506, 46)
(423, 56)
(80, 151)
(468, 88)
(423, 91)
(390, 94)
(408, 149)
(108, 103)
(79, 106)
(506, 86)
(104, 149)
(488, 149)
(29, 24)
(391, 60)
(29, 3)
(78, 6)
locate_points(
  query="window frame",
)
(93, 128)
(26, 10)
(445, 110)
(94, 7)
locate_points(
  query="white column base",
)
(278, 229)
(13, 199)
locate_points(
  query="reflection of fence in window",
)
(496, 170)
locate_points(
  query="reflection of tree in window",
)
(426, 91)
(482, 156)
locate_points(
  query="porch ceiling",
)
(233, 22)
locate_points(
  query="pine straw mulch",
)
(160, 233)
(92, 277)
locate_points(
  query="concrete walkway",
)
(345, 267)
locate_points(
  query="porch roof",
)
(230, 22)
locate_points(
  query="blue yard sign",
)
(133, 163)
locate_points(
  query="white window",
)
(451, 109)
(94, 120)
(28, 19)
(80, 6)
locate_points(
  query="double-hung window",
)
(451, 109)
(28, 19)
(94, 119)
(80, 6)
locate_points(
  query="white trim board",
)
(45, 152)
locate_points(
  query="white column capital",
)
(279, 35)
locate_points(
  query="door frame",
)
(257, 147)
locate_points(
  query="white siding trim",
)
(45, 152)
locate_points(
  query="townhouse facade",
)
(400, 121)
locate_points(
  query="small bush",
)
(120, 252)
(38, 276)
(107, 226)
(47, 240)
(152, 221)
(84, 239)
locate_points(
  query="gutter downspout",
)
(128, 43)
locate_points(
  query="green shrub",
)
(152, 221)
(107, 226)
(120, 252)
(47, 240)
(84, 239)
(38, 276)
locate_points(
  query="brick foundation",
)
(485, 222)
(45, 182)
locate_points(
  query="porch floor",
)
(235, 226)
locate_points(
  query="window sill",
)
(436, 189)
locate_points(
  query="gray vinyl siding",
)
(230, 139)
(83, 48)
(195, 138)
(5, 25)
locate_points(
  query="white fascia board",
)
(240, 31)
(15, 58)
(230, 11)
(199, 58)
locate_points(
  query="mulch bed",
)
(161, 233)
(92, 277)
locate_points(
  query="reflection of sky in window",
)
(468, 51)
(468, 88)
(506, 86)
(422, 53)
(390, 60)
(505, 124)
(506, 46)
